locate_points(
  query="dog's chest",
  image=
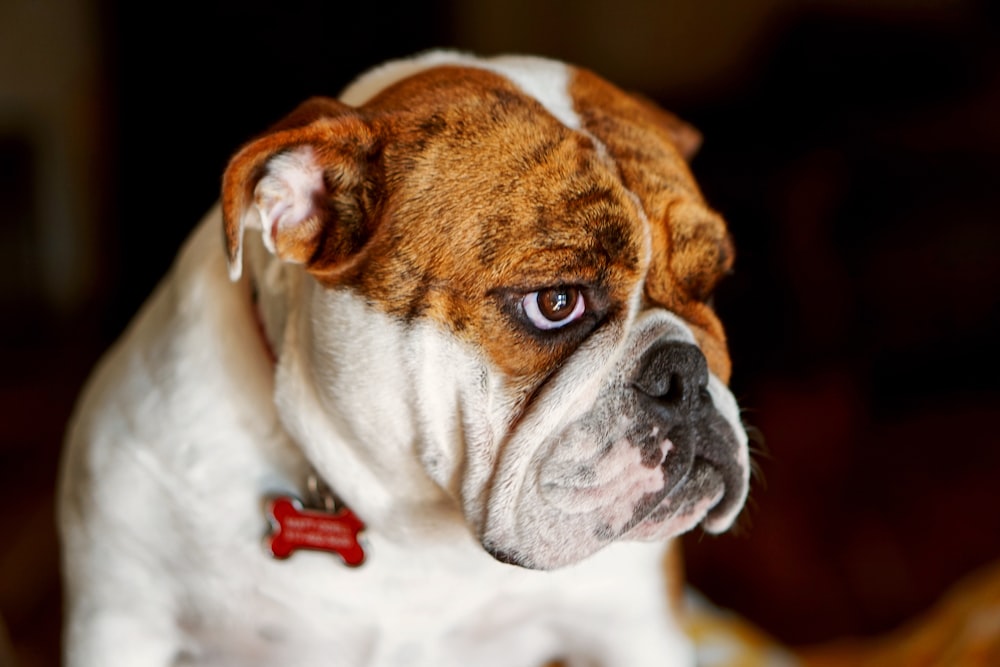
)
(442, 607)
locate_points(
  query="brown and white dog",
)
(477, 309)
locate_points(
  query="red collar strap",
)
(259, 321)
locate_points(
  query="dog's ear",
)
(685, 136)
(306, 184)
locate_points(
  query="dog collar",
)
(259, 322)
(322, 522)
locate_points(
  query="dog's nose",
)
(672, 381)
(675, 376)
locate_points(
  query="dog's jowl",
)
(466, 306)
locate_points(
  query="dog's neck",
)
(386, 500)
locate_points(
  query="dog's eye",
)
(553, 307)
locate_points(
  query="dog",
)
(465, 309)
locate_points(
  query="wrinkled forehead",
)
(505, 132)
(485, 182)
(521, 173)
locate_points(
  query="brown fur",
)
(691, 247)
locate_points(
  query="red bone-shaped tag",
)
(297, 528)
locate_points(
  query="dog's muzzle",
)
(672, 384)
(661, 451)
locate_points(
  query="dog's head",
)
(510, 271)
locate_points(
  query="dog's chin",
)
(700, 498)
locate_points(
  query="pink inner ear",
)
(285, 195)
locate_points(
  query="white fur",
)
(168, 568)
(186, 428)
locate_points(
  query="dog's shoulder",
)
(178, 386)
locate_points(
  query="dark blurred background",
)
(853, 146)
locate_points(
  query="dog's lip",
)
(723, 513)
(696, 498)
(700, 495)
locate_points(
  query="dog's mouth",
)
(703, 493)
(699, 497)
(571, 510)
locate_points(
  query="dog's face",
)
(513, 286)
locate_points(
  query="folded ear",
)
(305, 184)
(685, 136)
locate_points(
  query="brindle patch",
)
(453, 183)
(691, 247)
(486, 205)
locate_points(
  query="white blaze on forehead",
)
(545, 80)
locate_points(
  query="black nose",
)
(675, 376)
(671, 379)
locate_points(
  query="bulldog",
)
(472, 298)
